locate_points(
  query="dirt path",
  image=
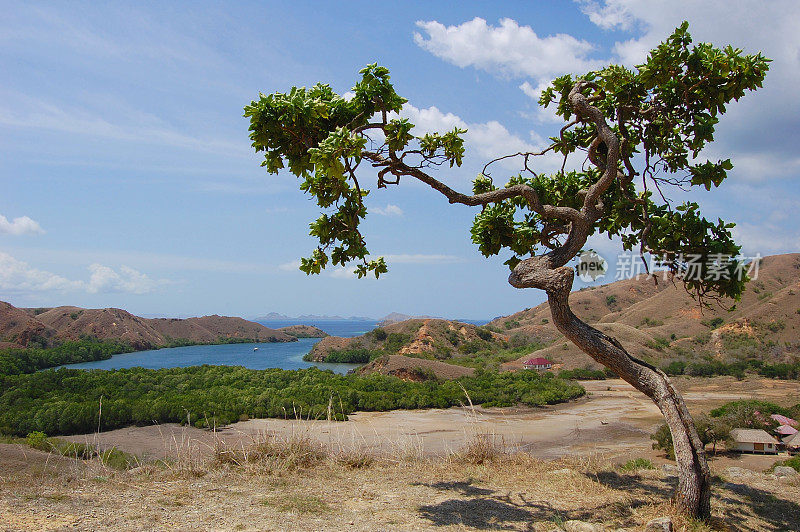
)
(612, 418)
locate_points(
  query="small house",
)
(753, 441)
(792, 443)
(538, 364)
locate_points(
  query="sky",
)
(127, 178)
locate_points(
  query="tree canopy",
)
(641, 131)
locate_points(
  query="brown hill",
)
(662, 321)
(26, 327)
(414, 369)
(422, 338)
(19, 328)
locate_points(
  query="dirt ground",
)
(504, 492)
(406, 470)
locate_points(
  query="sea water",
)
(283, 355)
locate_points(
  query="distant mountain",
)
(396, 317)
(275, 316)
(21, 327)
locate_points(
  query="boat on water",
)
(255, 349)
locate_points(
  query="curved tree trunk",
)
(693, 491)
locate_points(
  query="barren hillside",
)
(662, 321)
(41, 327)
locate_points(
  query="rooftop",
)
(752, 436)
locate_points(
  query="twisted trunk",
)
(693, 492)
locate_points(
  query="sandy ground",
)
(613, 419)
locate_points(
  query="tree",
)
(641, 130)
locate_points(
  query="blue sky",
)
(127, 180)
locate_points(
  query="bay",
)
(288, 355)
(285, 355)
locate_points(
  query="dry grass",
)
(296, 483)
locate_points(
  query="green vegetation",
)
(82, 451)
(793, 462)
(67, 401)
(16, 361)
(637, 464)
(483, 355)
(714, 323)
(753, 413)
(611, 300)
(659, 343)
(583, 374)
(713, 368)
(185, 342)
(356, 355)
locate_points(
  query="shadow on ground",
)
(483, 508)
(741, 507)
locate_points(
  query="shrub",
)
(637, 464)
(611, 300)
(379, 334)
(452, 336)
(485, 334)
(662, 439)
(583, 374)
(676, 367)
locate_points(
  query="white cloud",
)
(508, 49)
(18, 276)
(489, 139)
(291, 266)
(765, 238)
(614, 14)
(760, 132)
(389, 210)
(20, 226)
(343, 272)
(106, 279)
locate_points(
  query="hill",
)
(433, 339)
(43, 327)
(662, 322)
(657, 321)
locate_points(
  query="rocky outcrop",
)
(303, 331)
